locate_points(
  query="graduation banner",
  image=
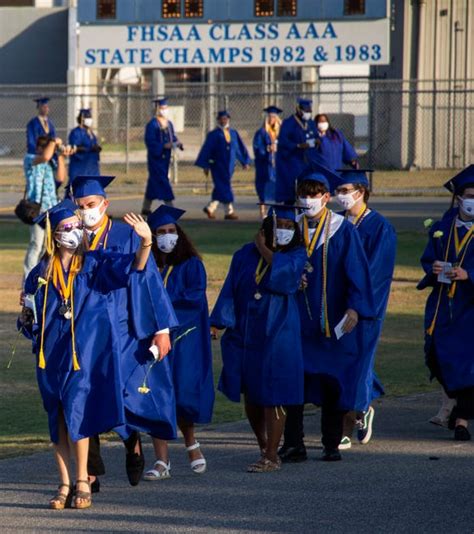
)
(220, 44)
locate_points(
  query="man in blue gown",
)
(265, 144)
(336, 294)
(380, 243)
(448, 262)
(221, 150)
(104, 233)
(296, 150)
(160, 141)
(41, 125)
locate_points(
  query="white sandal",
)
(156, 474)
(198, 466)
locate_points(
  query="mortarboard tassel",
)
(75, 361)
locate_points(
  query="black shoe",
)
(293, 455)
(95, 486)
(331, 455)
(134, 463)
(461, 433)
(452, 419)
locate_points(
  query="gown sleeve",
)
(259, 145)
(286, 271)
(242, 152)
(223, 314)
(431, 253)
(285, 143)
(348, 152)
(205, 154)
(30, 137)
(152, 141)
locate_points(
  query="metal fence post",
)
(127, 133)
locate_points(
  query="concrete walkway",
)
(411, 478)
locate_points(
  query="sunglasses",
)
(70, 226)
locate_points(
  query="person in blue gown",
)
(261, 345)
(336, 295)
(448, 262)
(379, 241)
(219, 154)
(39, 126)
(71, 318)
(104, 233)
(333, 146)
(160, 141)
(296, 150)
(184, 277)
(86, 157)
(265, 145)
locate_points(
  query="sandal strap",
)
(198, 462)
(167, 466)
(85, 495)
(193, 447)
(83, 481)
(65, 486)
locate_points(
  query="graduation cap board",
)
(318, 173)
(354, 176)
(223, 113)
(58, 213)
(273, 109)
(305, 104)
(281, 211)
(463, 179)
(162, 101)
(164, 215)
(84, 186)
(85, 112)
(42, 100)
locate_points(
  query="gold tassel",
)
(75, 361)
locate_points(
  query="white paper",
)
(311, 143)
(442, 276)
(155, 351)
(29, 302)
(338, 329)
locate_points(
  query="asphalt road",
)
(411, 478)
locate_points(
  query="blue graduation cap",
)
(305, 104)
(85, 112)
(273, 109)
(354, 176)
(462, 180)
(164, 215)
(281, 211)
(84, 186)
(42, 100)
(162, 101)
(223, 113)
(318, 173)
(58, 213)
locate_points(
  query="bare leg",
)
(81, 451)
(275, 423)
(62, 452)
(256, 416)
(161, 451)
(187, 428)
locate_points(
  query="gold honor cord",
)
(311, 245)
(259, 274)
(460, 247)
(105, 226)
(167, 275)
(359, 216)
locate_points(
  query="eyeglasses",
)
(70, 226)
(344, 190)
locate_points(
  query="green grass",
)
(23, 426)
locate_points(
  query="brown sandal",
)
(264, 465)
(61, 500)
(84, 496)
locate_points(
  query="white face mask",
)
(346, 201)
(466, 205)
(323, 126)
(92, 216)
(166, 242)
(313, 205)
(88, 122)
(165, 112)
(70, 240)
(284, 236)
(306, 115)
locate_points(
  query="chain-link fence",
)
(392, 124)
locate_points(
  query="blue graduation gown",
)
(348, 286)
(220, 157)
(261, 347)
(34, 129)
(83, 163)
(91, 397)
(155, 411)
(158, 160)
(265, 170)
(191, 357)
(336, 150)
(379, 241)
(290, 160)
(452, 337)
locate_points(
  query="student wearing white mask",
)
(380, 243)
(334, 147)
(86, 159)
(160, 141)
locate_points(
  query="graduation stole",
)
(167, 275)
(460, 248)
(260, 270)
(44, 123)
(273, 131)
(102, 235)
(226, 134)
(324, 223)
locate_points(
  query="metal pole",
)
(127, 133)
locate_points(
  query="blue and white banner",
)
(235, 44)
